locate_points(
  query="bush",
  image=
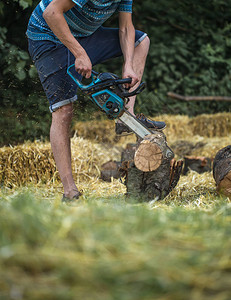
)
(189, 55)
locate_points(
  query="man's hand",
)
(83, 65)
(129, 73)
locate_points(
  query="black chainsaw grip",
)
(123, 81)
(138, 90)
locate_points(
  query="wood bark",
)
(150, 173)
(147, 168)
(222, 170)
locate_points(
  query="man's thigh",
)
(104, 44)
(51, 61)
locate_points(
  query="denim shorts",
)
(52, 60)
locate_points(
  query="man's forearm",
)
(56, 21)
(127, 42)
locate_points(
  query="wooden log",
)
(147, 168)
(222, 170)
(200, 164)
(129, 152)
(148, 156)
(150, 172)
(109, 170)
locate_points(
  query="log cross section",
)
(151, 151)
(148, 156)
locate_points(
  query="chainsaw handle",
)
(80, 84)
(138, 90)
(123, 81)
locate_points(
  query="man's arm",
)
(127, 42)
(54, 17)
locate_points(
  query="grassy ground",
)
(109, 247)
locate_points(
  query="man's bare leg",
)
(140, 55)
(60, 144)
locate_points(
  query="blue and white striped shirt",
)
(83, 19)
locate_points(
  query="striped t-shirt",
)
(83, 19)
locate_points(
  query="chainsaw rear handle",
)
(94, 78)
(80, 85)
(123, 81)
(137, 91)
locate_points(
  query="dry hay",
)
(205, 125)
(104, 130)
(211, 125)
(34, 162)
(199, 146)
(194, 190)
(98, 130)
(178, 127)
(26, 163)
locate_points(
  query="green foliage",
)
(21, 120)
(189, 54)
(14, 58)
(22, 99)
(109, 249)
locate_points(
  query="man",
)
(63, 32)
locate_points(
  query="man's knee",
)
(63, 114)
(145, 43)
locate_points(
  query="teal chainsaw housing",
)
(109, 102)
(107, 91)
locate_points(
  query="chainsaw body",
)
(109, 102)
(107, 91)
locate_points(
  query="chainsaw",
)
(107, 91)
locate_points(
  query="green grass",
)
(108, 248)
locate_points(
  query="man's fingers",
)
(85, 72)
(127, 85)
(130, 85)
(88, 74)
(134, 81)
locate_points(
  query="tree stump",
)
(222, 170)
(150, 173)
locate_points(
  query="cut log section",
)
(222, 170)
(147, 168)
(150, 172)
(148, 156)
(151, 151)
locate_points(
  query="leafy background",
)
(189, 54)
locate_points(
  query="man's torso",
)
(83, 19)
